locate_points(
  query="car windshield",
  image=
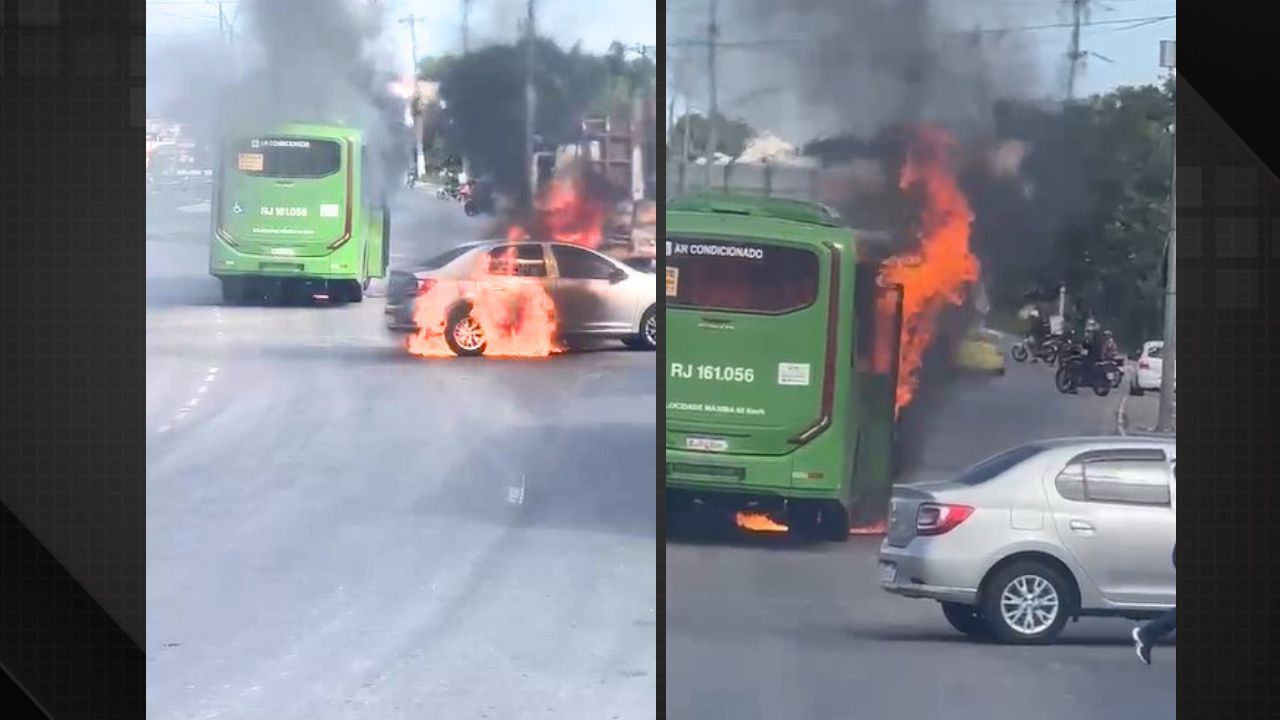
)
(997, 465)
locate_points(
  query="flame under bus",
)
(295, 207)
(781, 362)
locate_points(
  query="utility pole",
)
(530, 103)
(1079, 8)
(1169, 366)
(222, 24)
(419, 155)
(466, 20)
(713, 136)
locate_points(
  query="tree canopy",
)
(1097, 218)
(483, 98)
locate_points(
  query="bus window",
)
(864, 292)
(888, 329)
(741, 277)
(289, 158)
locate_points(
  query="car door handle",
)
(1081, 526)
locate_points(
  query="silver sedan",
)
(594, 295)
(1022, 542)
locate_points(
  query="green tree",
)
(731, 139)
(483, 95)
(1100, 216)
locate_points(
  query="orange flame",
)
(566, 212)
(515, 314)
(940, 271)
(759, 522)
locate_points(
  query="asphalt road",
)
(760, 628)
(339, 530)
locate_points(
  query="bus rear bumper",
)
(225, 261)
(744, 475)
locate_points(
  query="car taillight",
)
(1144, 365)
(936, 519)
(424, 285)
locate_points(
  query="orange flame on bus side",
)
(940, 271)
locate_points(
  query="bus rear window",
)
(740, 276)
(288, 158)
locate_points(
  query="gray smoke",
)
(321, 61)
(854, 66)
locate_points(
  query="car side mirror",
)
(618, 275)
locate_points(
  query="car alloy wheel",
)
(1029, 604)
(468, 334)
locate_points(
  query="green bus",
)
(295, 210)
(782, 354)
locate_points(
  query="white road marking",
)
(515, 493)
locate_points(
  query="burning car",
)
(520, 298)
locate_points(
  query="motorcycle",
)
(1047, 350)
(1116, 371)
(468, 201)
(1074, 370)
(411, 179)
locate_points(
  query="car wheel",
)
(965, 619)
(1026, 603)
(464, 335)
(649, 330)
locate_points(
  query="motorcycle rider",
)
(1039, 332)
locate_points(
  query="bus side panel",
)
(377, 247)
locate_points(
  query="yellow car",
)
(980, 352)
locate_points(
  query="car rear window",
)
(279, 157)
(739, 276)
(445, 257)
(997, 465)
(1155, 351)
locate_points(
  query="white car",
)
(1149, 369)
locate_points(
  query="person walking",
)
(1146, 635)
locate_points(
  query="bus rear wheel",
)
(235, 290)
(818, 520)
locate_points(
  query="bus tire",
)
(234, 291)
(355, 291)
(802, 519)
(833, 521)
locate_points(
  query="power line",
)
(1137, 21)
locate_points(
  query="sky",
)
(594, 23)
(1124, 39)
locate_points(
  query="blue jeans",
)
(1159, 627)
